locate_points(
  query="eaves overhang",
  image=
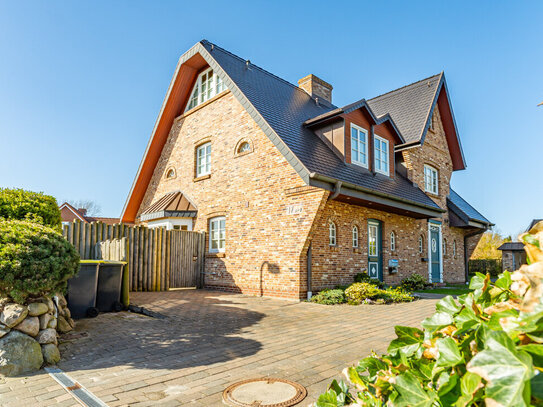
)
(168, 214)
(356, 191)
(469, 222)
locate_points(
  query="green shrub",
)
(360, 293)
(34, 260)
(364, 278)
(485, 348)
(329, 297)
(414, 282)
(32, 206)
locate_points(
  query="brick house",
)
(297, 194)
(68, 214)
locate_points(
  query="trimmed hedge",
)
(34, 260)
(360, 293)
(414, 282)
(329, 297)
(31, 206)
(485, 266)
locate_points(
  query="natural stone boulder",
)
(3, 302)
(13, 314)
(51, 355)
(62, 325)
(47, 336)
(29, 326)
(67, 314)
(52, 323)
(44, 320)
(4, 330)
(37, 308)
(19, 353)
(50, 304)
(61, 300)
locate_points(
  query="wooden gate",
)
(158, 259)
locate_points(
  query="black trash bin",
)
(110, 275)
(82, 290)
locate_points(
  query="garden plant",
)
(483, 349)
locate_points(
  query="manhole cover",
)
(264, 392)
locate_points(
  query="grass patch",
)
(450, 290)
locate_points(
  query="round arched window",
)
(170, 173)
(244, 147)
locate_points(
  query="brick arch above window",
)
(243, 147)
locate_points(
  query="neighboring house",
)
(513, 254)
(297, 194)
(69, 214)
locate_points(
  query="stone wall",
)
(28, 334)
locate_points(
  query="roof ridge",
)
(256, 66)
(402, 88)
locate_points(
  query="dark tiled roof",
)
(469, 211)
(285, 107)
(533, 223)
(409, 106)
(512, 246)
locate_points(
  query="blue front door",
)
(435, 253)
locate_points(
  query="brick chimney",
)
(316, 87)
(82, 211)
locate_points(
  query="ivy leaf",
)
(470, 384)
(537, 387)
(437, 321)
(466, 319)
(504, 280)
(449, 355)
(505, 369)
(536, 351)
(328, 399)
(448, 305)
(354, 377)
(445, 383)
(407, 342)
(372, 365)
(411, 393)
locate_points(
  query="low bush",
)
(485, 348)
(414, 282)
(363, 293)
(34, 260)
(364, 278)
(329, 297)
(32, 206)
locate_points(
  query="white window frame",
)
(361, 146)
(421, 244)
(355, 236)
(392, 242)
(332, 234)
(170, 223)
(217, 233)
(204, 90)
(378, 157)
(431, 174)
(203, 168)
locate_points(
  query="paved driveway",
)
(208, 341)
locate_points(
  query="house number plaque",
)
(294, 209)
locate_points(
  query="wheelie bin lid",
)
(102, 262)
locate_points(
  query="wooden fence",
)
(158, 259)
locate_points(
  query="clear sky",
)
(81, 83)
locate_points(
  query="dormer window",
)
(359, 146)
(381, 155)
(430, 179)
(207, 85)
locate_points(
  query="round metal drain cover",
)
(264, 392)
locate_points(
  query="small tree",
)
(92, 207)
(34, 260)
(32, 206)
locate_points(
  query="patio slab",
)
(208, 341)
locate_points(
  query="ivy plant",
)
(483, 349)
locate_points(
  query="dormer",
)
(360, 138)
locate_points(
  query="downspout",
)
(309, 282)
(336, 192)
(466, 258)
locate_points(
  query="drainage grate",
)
(85, 397)
(264, 392)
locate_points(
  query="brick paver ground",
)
(208, 341)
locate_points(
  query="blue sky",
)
(81, 83)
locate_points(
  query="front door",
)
(375, 256)
(435, 253)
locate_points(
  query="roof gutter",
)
(378, 197)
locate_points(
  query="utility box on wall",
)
(393, 266)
